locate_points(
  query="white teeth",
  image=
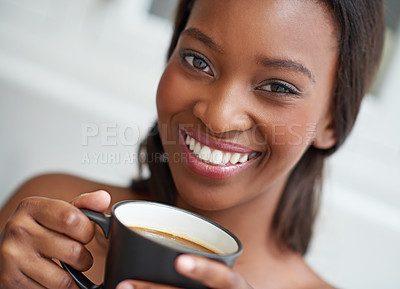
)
(243, 159)
(226, 158)
(205, 153)
(216, 157)
(191, 144)
(197, 148)
(235, 158)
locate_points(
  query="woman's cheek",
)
(173, 93)
(289, 135)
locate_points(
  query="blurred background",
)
(77, 94)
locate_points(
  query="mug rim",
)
(215, 224)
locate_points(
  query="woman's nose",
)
(224, 108)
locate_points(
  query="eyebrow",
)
(205, 39)
(265, 61)
(286, 63)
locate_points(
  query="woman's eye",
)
(276, 88)
(280, 87)
(198, 63)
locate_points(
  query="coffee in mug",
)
(175, 240)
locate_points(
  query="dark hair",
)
(360, 25)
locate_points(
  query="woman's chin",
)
(195, 201)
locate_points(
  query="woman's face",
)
(249, 86)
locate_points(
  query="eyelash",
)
(291, 89)
(190, 62)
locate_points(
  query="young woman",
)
(254, 96)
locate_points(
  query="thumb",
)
(97, 201)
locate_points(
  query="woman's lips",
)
(211, 158)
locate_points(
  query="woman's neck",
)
(250, 221)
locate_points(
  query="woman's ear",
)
(325, 137)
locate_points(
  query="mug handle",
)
(81, 280)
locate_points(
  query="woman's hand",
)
(211, 273)
(41, 230)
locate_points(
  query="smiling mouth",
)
(217, 157)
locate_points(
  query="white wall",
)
(67, 65)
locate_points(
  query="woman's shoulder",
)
(66, 187)
(63, 187)
(318, 283)
(311, 280)
(279, 268)
(302, 275)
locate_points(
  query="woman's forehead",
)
(253, 16)
(290, 29)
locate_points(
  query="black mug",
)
(134, 254)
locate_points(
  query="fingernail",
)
(186, 263)
(125, 285)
